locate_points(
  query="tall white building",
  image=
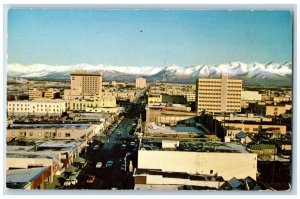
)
(218, 95)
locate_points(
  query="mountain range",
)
(252, 74)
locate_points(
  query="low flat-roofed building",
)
(49, 131)
(263, 149)
(282, 99)
(234, 127)
(275, 110)
(93, 117)
(103, 110)
(205, 158)
(57, 153)
(33, 178)
(103, 102)
(174, 131)
(37, 107)
(169, 115)
(151, 187)
(154, 99)
(242, 117)
(158, 177)
(250, 96)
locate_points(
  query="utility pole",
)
(86, 144)
(273, 169)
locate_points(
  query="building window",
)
(67, 135)
(31, 134)
(211, 171)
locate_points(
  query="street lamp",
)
(125, 158)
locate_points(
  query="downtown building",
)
(218, 95)
(83, 84)
(140, 83)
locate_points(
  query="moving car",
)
(99, 165)
(123, 146)
(91, 179)
(132, 144)
(109, 163)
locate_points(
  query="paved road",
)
(114, 177)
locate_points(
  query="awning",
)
(71, 169)
(79, 160)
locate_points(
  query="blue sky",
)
(147, 37)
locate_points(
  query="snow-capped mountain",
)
(41, 70)
(252, 72)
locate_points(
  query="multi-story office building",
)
(86, 83)
(50, 93)
(140, 83)
(218, 95)
(35, 93)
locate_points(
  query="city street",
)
(111, 150)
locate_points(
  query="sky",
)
(147, 37)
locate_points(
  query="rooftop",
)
(156, 187)
(50, 126)
(35, 156)
(58, 145)
(153, 128)
(24, 175)
(40, 100)
(84, 72)
(181, 175)
(61, 145)
(200, 146)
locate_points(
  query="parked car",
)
(73, 179)
(128, 154)
(99, 165)
(91, 179)
(119, 133)
(96, 147)
(109, 163)
(67, 182)
(123, 167)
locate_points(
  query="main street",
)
(111, 150)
